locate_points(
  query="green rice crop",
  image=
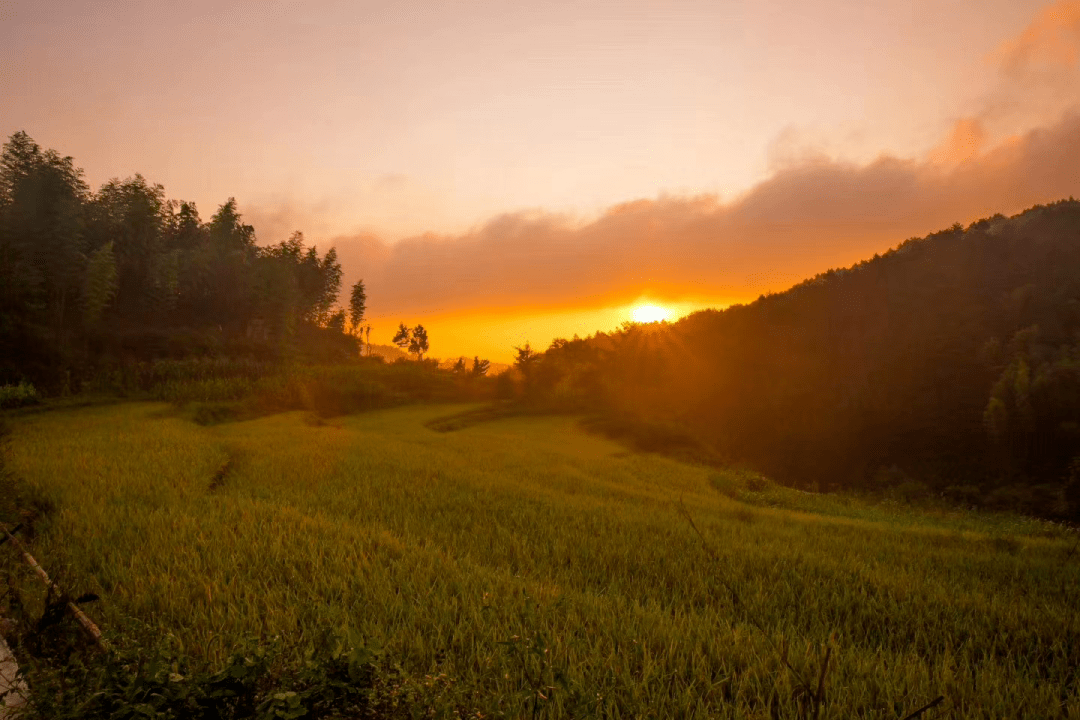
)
(523, 566)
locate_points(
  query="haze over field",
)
(505, 172)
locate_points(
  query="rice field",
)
(522, 567)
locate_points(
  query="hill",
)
(950, 364)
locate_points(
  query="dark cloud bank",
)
(802, 220)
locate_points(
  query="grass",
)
(524, 567)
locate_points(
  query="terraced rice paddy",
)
(523, 565)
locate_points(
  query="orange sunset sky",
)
(506, 171)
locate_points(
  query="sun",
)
(649, 313)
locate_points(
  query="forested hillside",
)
(91, 279)
(949, 364)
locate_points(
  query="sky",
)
(507, 172)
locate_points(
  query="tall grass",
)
(522, 567)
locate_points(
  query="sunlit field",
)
(522, 566)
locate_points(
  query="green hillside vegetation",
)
(523, 568)
(949, 365)
(91, 281)
(125, 293)
(97, 285)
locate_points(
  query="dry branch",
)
(932, 704)
(819, 698)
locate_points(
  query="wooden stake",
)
(86, 623)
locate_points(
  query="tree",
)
(336, 321)
(357, 306)
(128, 265)
(525, 362)
(418, 345)
(42, 238)
(480, 367)
(298, 285)
(526, 359)
(227, 292)
(227, 232)
(459, 366)
(329, 285)
(99, 284)
(133, 215)
(403, 338)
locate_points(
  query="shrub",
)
(910, 491)
(14, 396)
(335, 680)
(757, 483)
(966, 495)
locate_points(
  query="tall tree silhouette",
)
(403, 337)
(480, 367)
(357, 306)
(418, 342)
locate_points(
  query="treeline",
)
(94, 279)
(949, 365)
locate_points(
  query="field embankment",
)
(522, 564)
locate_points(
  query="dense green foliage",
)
(521, 566)
(333, 681)
(950, 364)
(18, 395)
(92, 280)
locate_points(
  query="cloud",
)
(802, 220)
(277, 219)
(967, 138)
(811, 214)
(1051, 42)
(1038, 71)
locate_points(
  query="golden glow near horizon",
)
(517, 172)
(650, 313)
(493, 335)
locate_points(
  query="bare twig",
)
(932, 704)
(819, 698)
(86, 623)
